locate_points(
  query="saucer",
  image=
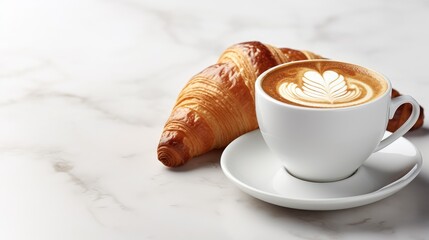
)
(249, 164)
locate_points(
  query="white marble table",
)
(86, 86)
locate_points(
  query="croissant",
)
(217, 105)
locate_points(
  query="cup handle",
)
(394, 104)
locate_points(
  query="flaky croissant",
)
(217, 105)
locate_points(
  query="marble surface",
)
(86, 86)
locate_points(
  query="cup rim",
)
(258, 87)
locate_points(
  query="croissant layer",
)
(217, 105)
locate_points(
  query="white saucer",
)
(252, 167)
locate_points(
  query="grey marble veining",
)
(86, 86)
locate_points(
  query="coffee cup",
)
(322, 118)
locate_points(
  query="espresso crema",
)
(324, 84)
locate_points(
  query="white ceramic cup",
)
(327, 144)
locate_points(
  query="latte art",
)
(324, 84)
(324, 90)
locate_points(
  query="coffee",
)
(324, 84)
(326, 140)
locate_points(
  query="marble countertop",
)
(87, 85)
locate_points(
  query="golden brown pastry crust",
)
(217, 105)
(402, 114)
